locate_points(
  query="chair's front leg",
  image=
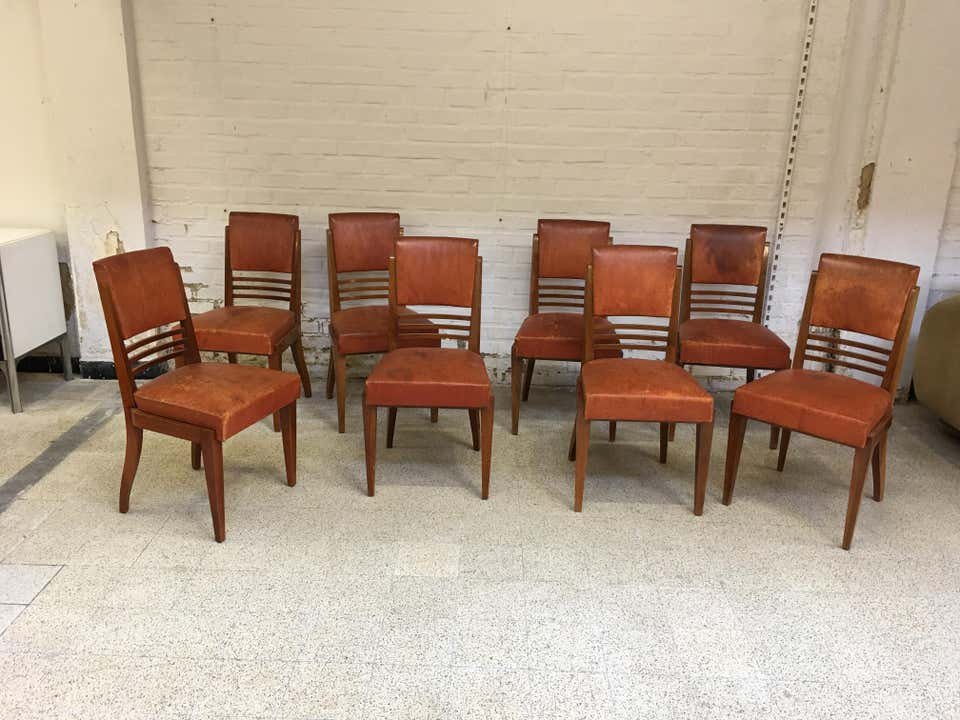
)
(516, 368)
(583, 448)
(664, 439)
(288, 426)
(612, 432)
(861, 460)
(195, 455)
(131, 461)
(738, 426)
(486, 447)
(213, 467)
(774, 437)
(340, 376)
(784, 446)
(528, 378)
(275, 362)
(330, 365)
(702, 465)
(370, 443)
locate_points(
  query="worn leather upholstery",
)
(634, 280)
(262, 241)
(726, 254)
(646, 390)
(861, 294)
(429, 377)
(363, 240)
(365, 329)
(827, 405)
(557, 336)
(436, 271)
(224, 398)
(243, 329)
(146, 288)
(731, 343)
(565, 246)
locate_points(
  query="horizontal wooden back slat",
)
(841, 353)
(885, 351)
(154, 338)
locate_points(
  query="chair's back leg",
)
(784, 446)
(475, 427)
(130, 463)
(391, 425)
(861, 460)
(528, 378)
(330, 364)
(370, 443)
(516, 368)
(301, 362)
(486, 447)
(880, 467)
(288, 426)
(275, 362)
(702, 465)
(195, 455)
(664, 439)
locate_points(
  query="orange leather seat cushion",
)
(243, 329)
(557, 336)
(224, 398)
(365, 329)
(429, 377)
(637, 389)
(732, 343)
(830, 406)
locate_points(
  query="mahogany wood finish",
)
(149, 323)
(637, 282)
(261, 264)
(721, 307)
(553, 329)
(359, 245)
(445, 275)
(868, 297)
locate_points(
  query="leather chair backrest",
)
(262, 241)
(436, 271)
(634, 280)
(363, 241)
(565, 246)
(726, 254)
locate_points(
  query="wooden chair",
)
(149, 323)
(868, 297)
(632, 282)
(359, 247)
(443, 274)
(725, 273)
(261, 263)
(561, 254)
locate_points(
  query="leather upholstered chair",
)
(874, 300)
(443, 274)
(359, 246)
(724, 273)
(561, 254)
(627, 283)
(149, 324)
(261, 263)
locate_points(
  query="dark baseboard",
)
(105, 370)
(47, 364)
(89, 369)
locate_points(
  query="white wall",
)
(476, 119)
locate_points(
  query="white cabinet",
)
(31, 300)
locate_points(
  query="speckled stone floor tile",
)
(426, 602)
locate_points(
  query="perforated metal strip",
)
(807, 49)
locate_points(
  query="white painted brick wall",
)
(946, 273)
(476, 119)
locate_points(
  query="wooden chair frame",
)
(639, 336)
(449, 326)
(885, 363)
(275, 289)
(177, 344)
(739, 302)
(550, 295)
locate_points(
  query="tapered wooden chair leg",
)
(738, 426)
(301, 362)
(528, 378)
(195, 455)
(751, 375)
(702, 465)
(370, 444)
(516, 368)
(572, 448)
(880, 467)
(434, 414)
(330, 364)
(213, 467)
(475, 427)
(275, 362)
(672, 434)
(340, 377)
(131, 461)
(774, 437)
(613, 431)
(288, 426)
(664, 439)
(861, 460)
(784, 446)
(486, 449)
(583, 448)
(232, 358)
(391, 425)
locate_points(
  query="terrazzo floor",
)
(426, 602)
